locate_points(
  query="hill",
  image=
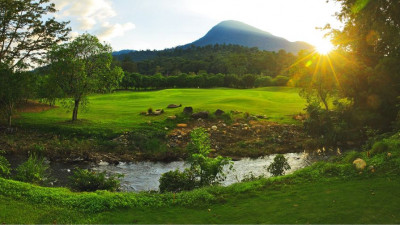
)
(225, 33)
(238, 33)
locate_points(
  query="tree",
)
(370, 42)
(25, 33)
(14, 87)
(278, 167)
(203, 171)
(207, 170)
(81, 67)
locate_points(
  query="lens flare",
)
(324, 47)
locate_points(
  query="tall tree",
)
(370, 40)
(25, 33)
(81, 67)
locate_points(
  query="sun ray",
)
(333, 71)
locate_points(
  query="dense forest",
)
(212, 59)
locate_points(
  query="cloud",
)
(92, 16)
(109, 31)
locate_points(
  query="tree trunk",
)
(326, 104)
(9, 120)
(75, 111)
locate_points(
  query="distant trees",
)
(137, 81)
(25, 35)
(211, 59)
(81, 67)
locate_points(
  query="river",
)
(144, 176)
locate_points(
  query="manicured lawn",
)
(374, 200)
(120, 111)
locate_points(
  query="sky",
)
(160, 24)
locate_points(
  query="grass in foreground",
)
(120, 111)
(374, 200)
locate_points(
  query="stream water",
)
(144, 176)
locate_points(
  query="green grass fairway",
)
(374, 200)
(120, 111)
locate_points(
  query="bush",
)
(280, 80)
(349, 157)
(208, 171)
(176, 181)
(85, 180)
(203, 171)
(278, 167)
(4, 166)
(34, 170)
(379, 147)
(148, 139)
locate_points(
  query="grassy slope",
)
(373, 200)
(333, 202)
(121, 110)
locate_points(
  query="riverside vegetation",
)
(335, 184)
(347, 110)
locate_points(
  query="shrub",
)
(203, 171)
(150, 111)
(278, 167)
(175, 181)
(148, 139)
(208, 171)
(34, 170)
(349, 157)
(85, 180)
(251, 177)
(379, 147)
(4, 166)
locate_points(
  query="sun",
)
(324, 47)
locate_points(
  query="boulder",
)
(188, 110)
(219, 112)
(360, 164)
(158, 112)
(182, 125)
(202, 115)
(173, 106)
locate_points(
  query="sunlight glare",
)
(324, 47)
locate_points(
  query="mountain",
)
(122, 52)
(238, 33)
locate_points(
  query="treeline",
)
(211, 59)
(203, 80)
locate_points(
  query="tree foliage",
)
(278, 166)
(211, 59)
(81, 67)
(14, 87)
(370, 44)
(203, 170)
(26, 32)
(5, 167)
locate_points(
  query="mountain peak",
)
(237, 25)
(239, 33)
